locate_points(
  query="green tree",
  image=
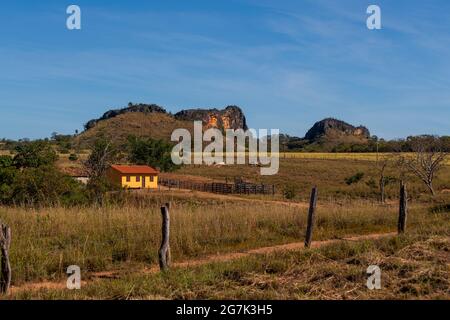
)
(31, 178)
(155, 153)
(7, 177)
(6, 161)
(34, 154)
(46, 186)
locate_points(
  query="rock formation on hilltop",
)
(231, 117)
(335, 129)
(144, 108)
(151, 120)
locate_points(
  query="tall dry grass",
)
(414, 266)
(46, 241)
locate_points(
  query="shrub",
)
(441, 208)
(6, 161)
(97, 189)
(63, 150)
(289, 192)
(46, 185)
(7, 178)
(355, 178)
(372, 184)
(37, 182)
(73, 157)
(389, 180)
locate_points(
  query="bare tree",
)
(380, 166)
(428, 157)
(103, 154)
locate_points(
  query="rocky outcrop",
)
(335, 128)
(144, 108)
(231, 117)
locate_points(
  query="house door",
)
(143, 181)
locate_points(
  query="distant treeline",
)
(373, 144)
(64, 143)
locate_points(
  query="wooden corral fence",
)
(238, 187)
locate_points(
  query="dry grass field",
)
(116, 245)
(328, 174)
(369, 156)
(117, 252)
(100, 238)
(5, 153)
(415, 266)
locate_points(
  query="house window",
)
(151, 178)
(128, 178)
(138, 179)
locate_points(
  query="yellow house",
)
(133, 177)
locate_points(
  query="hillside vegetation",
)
(119, 128)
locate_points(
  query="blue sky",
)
(286, 63)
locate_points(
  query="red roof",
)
(135, 169)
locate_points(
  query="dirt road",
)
(96, 276)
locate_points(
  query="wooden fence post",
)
(403, 208)
(311, 217)
(5, 244)
(382, 193)
(164, 250)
